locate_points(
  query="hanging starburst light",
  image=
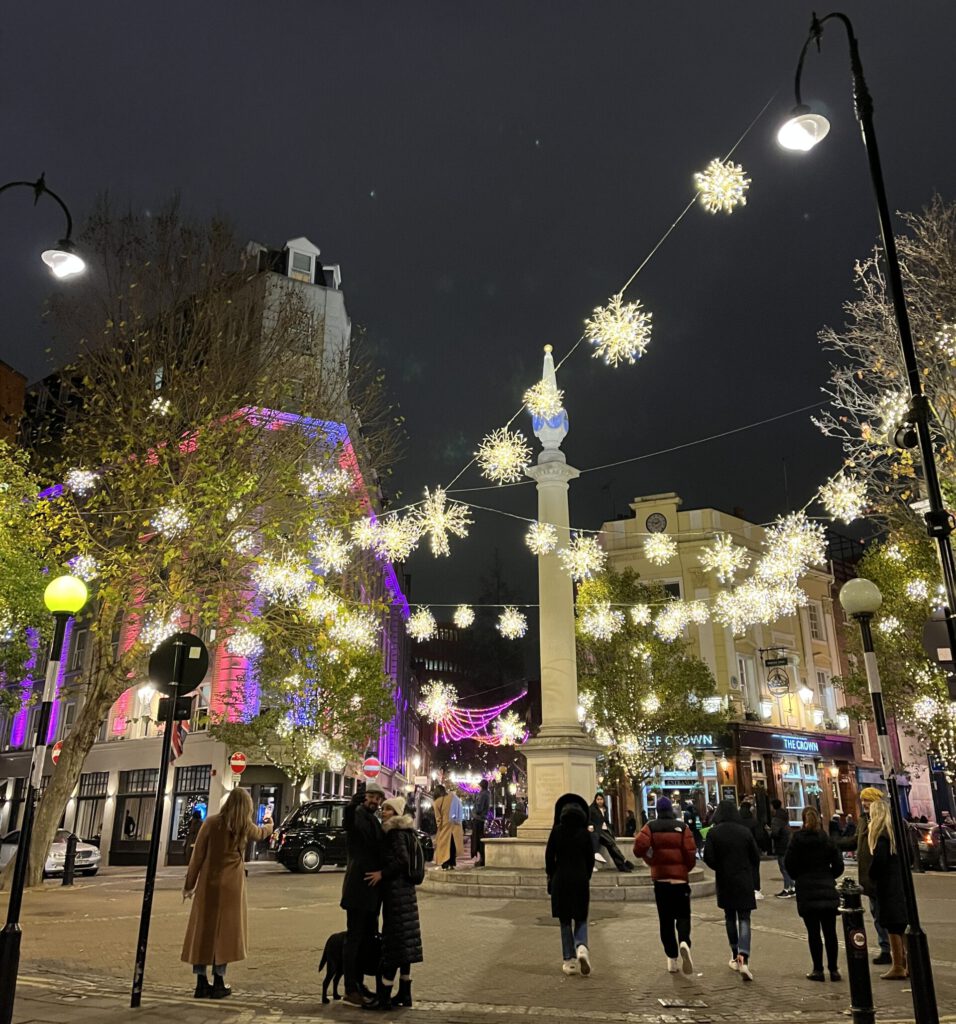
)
(245, 644)
(365, 533)
(283, 579)
(330, 549)
(541, 538)
(503, 456)
(512, 624)
(794, 543)
(158, 628)
(170, 520)
(82, 481)
(421, 625)
(671, 620)
(84, 567)
(651, 704)
(889, 624)
(328, 479)
(620, 331)
(660, 548)
(397, 538)
(357, 628)
(722, 185)
(724, 557)
(641, 614)
(601, 621)
(582, 558)
(844, 497)
(322, 604)
(917, 590)
(544, 399)
(464, 616)
(438, 517)
(437, 701)
(683, 760)
(509, 730)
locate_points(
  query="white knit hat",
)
(397, 804)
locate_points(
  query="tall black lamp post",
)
(802, 132)
(64, 597)
(62, 258)
(861, 599)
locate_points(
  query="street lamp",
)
(62, 258)
(417, 762)
(802, 131)
(63, 597)
(860, 599)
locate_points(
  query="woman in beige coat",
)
(216, 933)
(450, 840)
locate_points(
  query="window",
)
(141, 780)
(747, 674)
(300, 266)
(69, 717)
(757, 766)
(200, 717)
(815, 614)
(78, 654)
(90, 806)
(827, 698)
(191, 793)
(673, 587)
(864, 735)
(136, 805)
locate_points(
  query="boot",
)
(219, 988)
(203, 991)
(404, 997)
(383, 997)
(898, 952)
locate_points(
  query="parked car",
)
(937, 847)
(313, 835)
(87, 855)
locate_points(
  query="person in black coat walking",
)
(731, 851)
(780, 836)
(886, 874)
(568, 863)
(748, 820)
(814, 863)
(602, 836)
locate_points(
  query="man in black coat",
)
(361, 895)
(780, 835)
(481, 811)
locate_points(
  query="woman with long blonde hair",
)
(216, 877)
(886, 873)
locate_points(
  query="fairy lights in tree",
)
(512, 624)
(582, 558)
(464, 616)
(503, 456)
(544, 399)
(327, 480)
(158, 628)
(889, 624)
(330, 549)
(283, 578)
(161, 405)
(357, 628)
(601, 621)
(170, 520)
(438, 517)
(724, 557)
(844, 497)
(683, 760)
(620, 331)
(421, 625)
(917, 590)
(245, 644)
(660, 548)
(641, 614)
(82, 481)
(926, 709)
(321, 605)
(722, 185)
(243, 541)
(509, 730)
(651, 704)
(85, 567)
(541, 538)
(437, 701)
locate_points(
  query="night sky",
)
(486, 174)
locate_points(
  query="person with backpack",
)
(669, 847)
(403, 867)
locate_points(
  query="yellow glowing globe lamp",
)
(803, 129)
(65, 595)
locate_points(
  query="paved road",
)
(486, 960)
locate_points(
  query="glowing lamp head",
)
(416, 762)
(805, 694)
(803, 129)
(860, 597)
(63, 259)
(65, 595)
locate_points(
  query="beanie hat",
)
(664, 804)
(872, 793)
(374, 787)
(397, 804)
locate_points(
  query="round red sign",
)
(371, 766)
(238, 763)
(55, 752)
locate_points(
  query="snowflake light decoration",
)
(161, 405)
(683, 760)
(171, 520)
(245, 644)
(601, 621)
(671, 620)
(722, 185)
(421, 625)
(397, 538)
(330, 549)
(437, 701)
(917, 590)
(356, 628)
(582, 558)
(794, 543)
(512, 624)
(724, 557)
(925, 709)
(84, 567)
(844, 497)
(509, 729)
(620, 331)
(503, 456)
(541, 538)
(641, 614)
(156, 629)
(544, 399)
(651, 704)
(243, 541)
(82, 481)
(888, 625)
(438, 517)
(464, 616)
(321, 605)
(329, 479)
(365, 533)
(660, 548)
(283, 578)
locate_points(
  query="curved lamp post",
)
(861, 599)
(63, 597)
(802, 131)
(62, 258)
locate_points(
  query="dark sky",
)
(486, 174)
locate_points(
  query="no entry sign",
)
(55, 752)
(371, 766)
(238, 763)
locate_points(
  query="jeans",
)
(882, 935)
(477, 840)
(572, 937)
(673, 913)
(787, 880)
(825, 921)
(361, 926)
(737, 923)
(218, 970)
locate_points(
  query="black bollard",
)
(857, 960)
(69, 865)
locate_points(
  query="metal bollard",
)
(69, 865)
(857, 959)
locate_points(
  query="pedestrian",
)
(668, 846)
(401, 930)
(129, 826)
(780, 837)
(689, 814)
(630, 824)
(886, 873)
(361, 891)
(815, 863)
(481, 811)
(861, 844)
(192, 834)
(835, 827)
(450, 840)
(732, 852)
(602, 838)
(568, 863)
(708, 814)
(849, 828)
(216, 883)
(749, 821)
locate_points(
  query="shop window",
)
(815, 615)
(136, 803)
(91, 806)
(190, 793)
(757, 766)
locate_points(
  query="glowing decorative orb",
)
(171, 521)
(620, 331)
(925, 709)
(437, 701)
(844, 497)
(683, 760)
(601, 621)
(541, 538)
(722, 186)
(660, 548)
(544, 399)
(421, 625)
(724, 557)
(245, 644)
(583, 558)
(641, 614)
(438, 517)
(321, 605)
(512, 624)
(794, 544)
(397, 538)
(365, 533)
(464, 616)
(81, 481)
(503, 456)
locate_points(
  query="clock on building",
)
(656, 522)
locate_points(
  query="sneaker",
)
(793, 890)
(584, 961)
(599, 857)
(785, 894)
(673, 966)
(733, 965)
(743, 967)
(758, 895)
(686, 961)
(570, 967)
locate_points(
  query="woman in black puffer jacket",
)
(401, 931)
(814, 863)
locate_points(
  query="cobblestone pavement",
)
(487, 961)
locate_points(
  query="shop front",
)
(696, 781)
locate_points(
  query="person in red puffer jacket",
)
(668, 846)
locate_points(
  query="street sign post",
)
(237, 763)
(55, 753)
(371, 767)
(775, 662)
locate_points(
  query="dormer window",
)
(301, 266)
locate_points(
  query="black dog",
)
(333, 959)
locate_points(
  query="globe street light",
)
(861, 599)
(63, 597)
(62, 258)
(802, 131)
